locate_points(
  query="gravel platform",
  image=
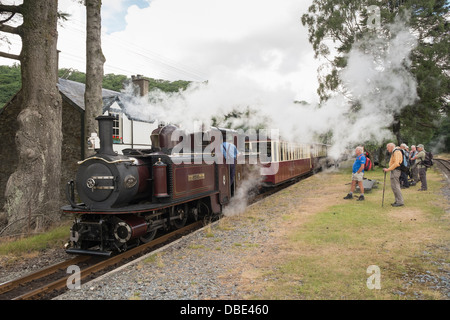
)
(216, 262)
(192, 268)
(213, 263)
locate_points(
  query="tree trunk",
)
(32, 190)
(94, 70)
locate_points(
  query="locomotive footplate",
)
(135, 208)
(89, 252)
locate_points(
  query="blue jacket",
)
(361, 159)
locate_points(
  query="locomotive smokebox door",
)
(107, 179)
(98, 182)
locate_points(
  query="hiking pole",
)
(384, 187)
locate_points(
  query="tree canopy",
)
(10, 81)
(334, 26)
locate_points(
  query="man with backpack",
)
(395, 164)
(422, 166)
(357, 174)
(404, 182)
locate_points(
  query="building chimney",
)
(141, 83)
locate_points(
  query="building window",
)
(117, 128)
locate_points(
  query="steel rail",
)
(12, 284)
(62, 283)
(443, 162)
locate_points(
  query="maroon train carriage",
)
(125, 199)
(286, 161)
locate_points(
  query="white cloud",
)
(260, 37)
(253, 53)
(261, 40)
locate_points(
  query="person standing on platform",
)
(413, 166)
(394, 169)
(422, 168)
(357, 174)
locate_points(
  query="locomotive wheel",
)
(203, 209)
(204, 212)
(148, 236)
(177, 211)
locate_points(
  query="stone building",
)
(131, 130)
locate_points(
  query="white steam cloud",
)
(376, 76)
(241, 198)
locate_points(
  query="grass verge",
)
(54, 238)
(327, 254)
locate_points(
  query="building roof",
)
(73, 93)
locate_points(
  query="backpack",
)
(404, 164)
(368, 164)
(428, 162)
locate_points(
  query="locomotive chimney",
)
(105, 128)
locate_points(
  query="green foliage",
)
(441, 138)
(344, 21)
(167, 86)
(71, 74)
(114, 82)
(10, 81)
(54, 238)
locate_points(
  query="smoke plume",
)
(376, 85)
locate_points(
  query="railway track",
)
(52, 281)
(443, 162)
(444, 165)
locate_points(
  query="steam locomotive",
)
(126, 198)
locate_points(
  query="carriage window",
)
(269, 151)
(274, 147)
(255, 147)
(247, 147)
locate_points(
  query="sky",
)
(260, 40)
(255, 56)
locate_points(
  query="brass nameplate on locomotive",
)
(195, 177)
